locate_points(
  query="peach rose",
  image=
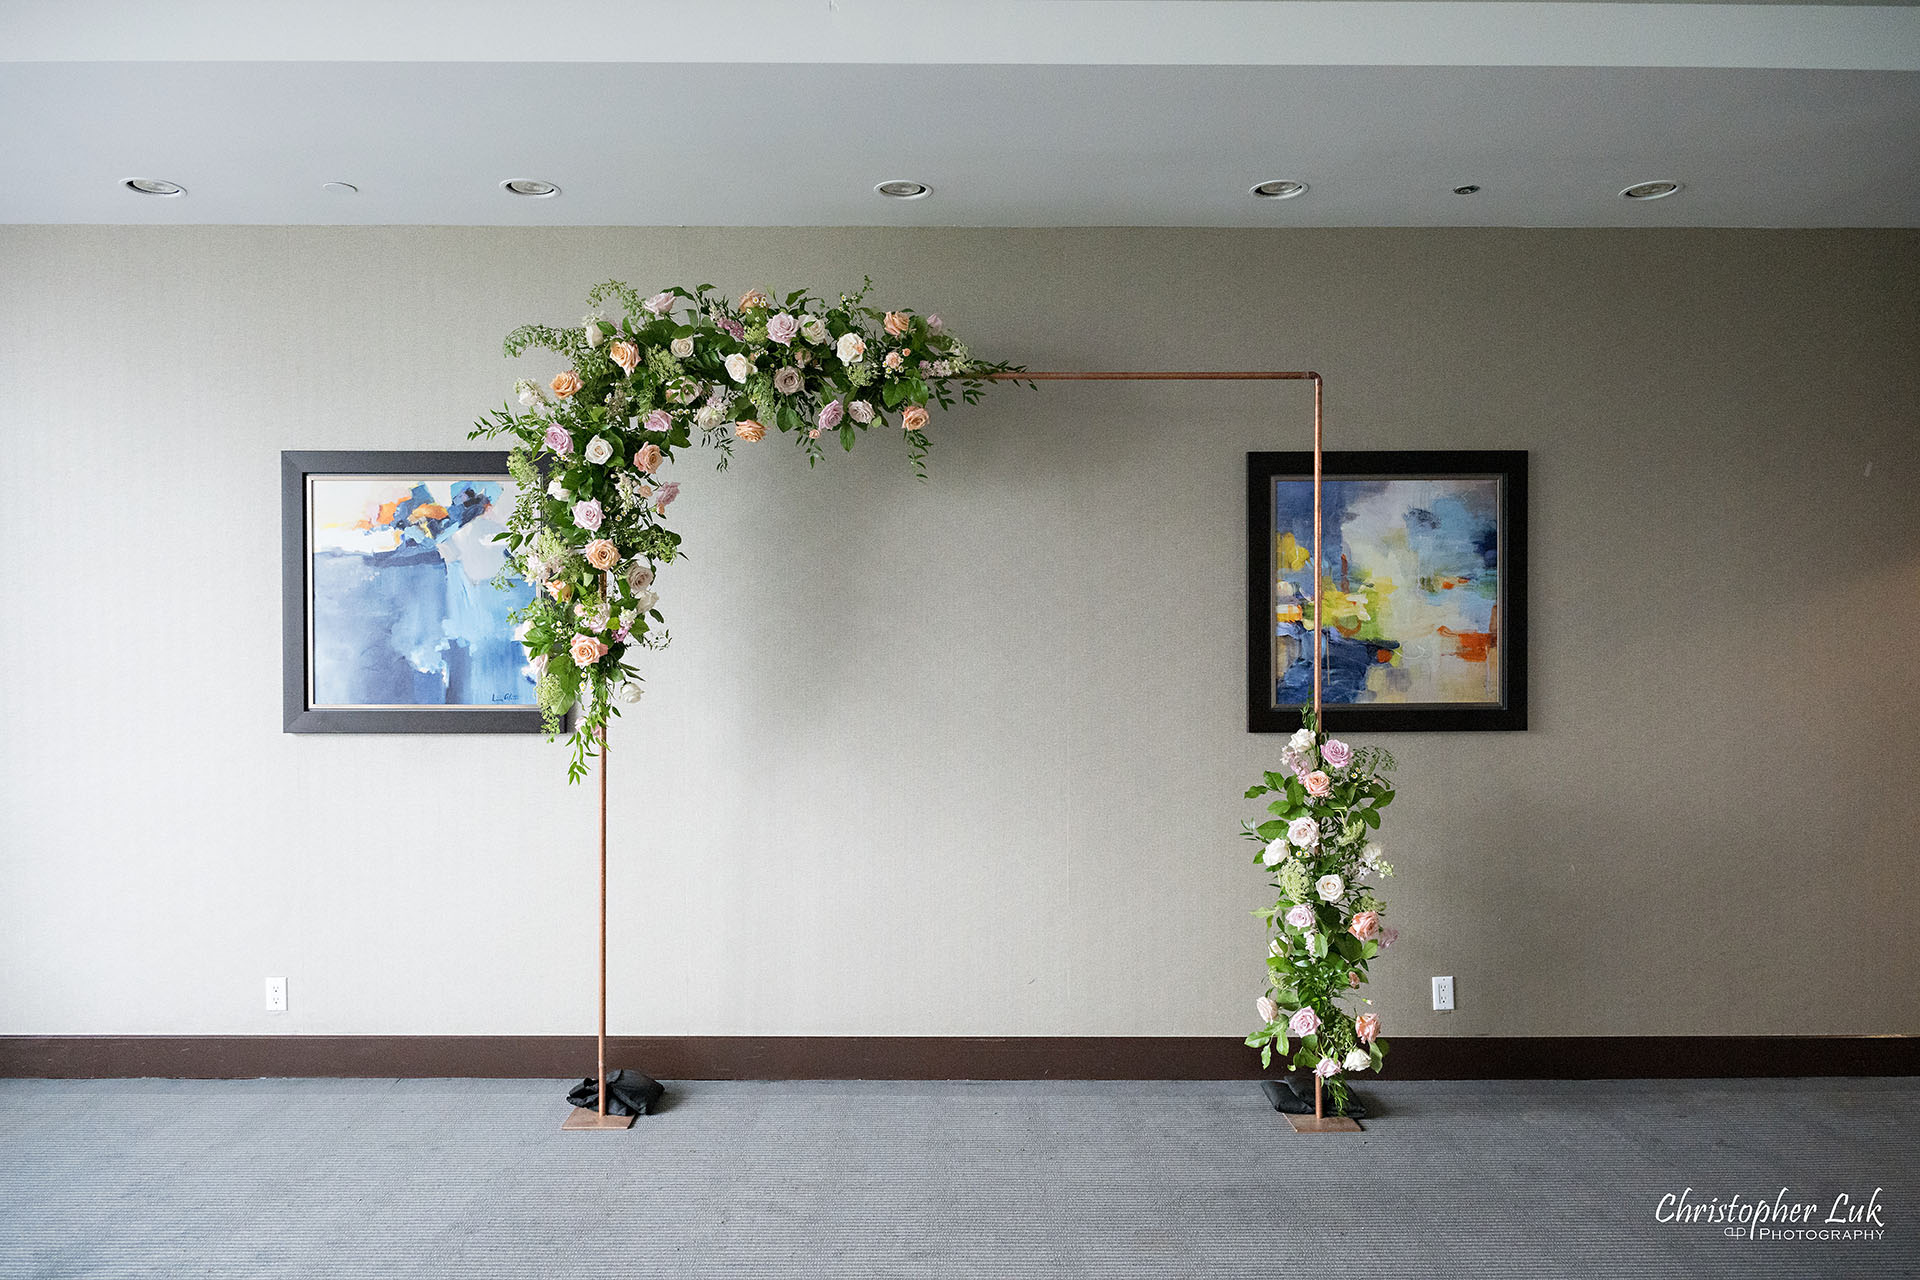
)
(897, 323)
(1367, 1027)
(585, 650)
(648, 459)
(602, 554)
(914, 418)
(749, 430)
(1318, 784)
(754, 300)
(624, 354)
(565, 384)
(559, 590)
(1365, 926)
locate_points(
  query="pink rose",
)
(1365, 926)
(1303, 832)
(585, 650)
(1269, 1011)
(1304, 1022)
(897, 323)
(813, 433)
(782, 329)
(1301, 916)
(1353, 979)
(658, 420)
(659, 303)
(860, 411)
(935, 324)
(831, 415)
(894, 361)
(1318, 784)
(1327, 1068)
(624, 354)
(1388, 937)
(558, 440)
(565, 384)
(602, 554)
(1336, 753)
(786, 381)
(1367, 1027)
(914, 418)
(588, 515)
(649, 458)
(667, 493)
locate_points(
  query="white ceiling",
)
(1017, 112)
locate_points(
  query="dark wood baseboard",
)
(939, 1057)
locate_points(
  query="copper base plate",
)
(1323, 1124)
(590, 1118)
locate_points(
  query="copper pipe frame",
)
(1227, 375)
(602, 1046)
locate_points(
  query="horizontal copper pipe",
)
(1237, 375)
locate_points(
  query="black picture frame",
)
(297, 467)
(1509, 468)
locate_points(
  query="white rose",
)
(681, 348)
(860, 411)
(1269, 1011)
(851, 348)
(1357, 1060)
(1277, 851)
(739, 368)
(709, 414)
(520, 632)
(630, 691)
(813, 329)
(597, 451)
(558, 490)
(644, 600)
(595, 334)
(1329, 888)
(1301, 741)
(527, 391)
(1303, 832)
(539, 664)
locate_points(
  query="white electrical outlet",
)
(276, 995)
(1443, 994)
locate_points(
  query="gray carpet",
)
(465, 1178)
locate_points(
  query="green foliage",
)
(585, 620)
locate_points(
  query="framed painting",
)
(391, 619)
(1423, 590)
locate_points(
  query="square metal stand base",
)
(590, 1118)
(1323, 1124)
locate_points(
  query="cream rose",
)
(851, 348)
(595, 334)
(597, 451)
(1356, 1060)
(1303, 832)
(602, 554)
(914, 418)
(739, 368)
(681, 348)
(1277, 852)
(629, 691)
(814, 329)
(1329, 888)
(1269, 1011)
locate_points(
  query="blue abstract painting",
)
(1409, 586)
(402, 607)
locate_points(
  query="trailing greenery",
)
(587, 529)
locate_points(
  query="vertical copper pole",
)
(1316, 586)
(1318, 1114)
(603, 920)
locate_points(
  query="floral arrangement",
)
(1326, 925)
(592, 445)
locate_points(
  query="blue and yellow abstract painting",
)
(1410, 591)
(402, 607)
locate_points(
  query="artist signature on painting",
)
(1784, 1217)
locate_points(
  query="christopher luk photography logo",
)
(1846, 1216)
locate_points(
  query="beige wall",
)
(966, 757)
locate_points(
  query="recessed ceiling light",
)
(1468, 190)
(1280, 189)
(530, 187)
(339, 188)
(154, 187)
(901, 189)
(1649, 190)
